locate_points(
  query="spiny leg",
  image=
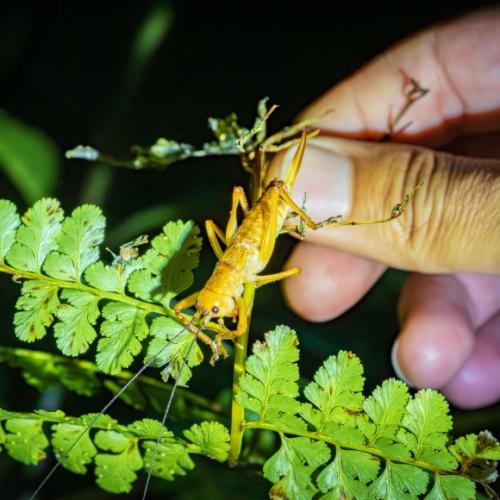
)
(271, 278)
(396, 211)
(297, 160)
(269, 230)
(214, 232)
(239, 199)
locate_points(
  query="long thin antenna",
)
(108, 405)
(166, 412)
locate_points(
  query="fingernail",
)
(325, 179)
(395, 364)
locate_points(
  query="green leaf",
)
(291, 467)
(28, 157)
(36, 308)
(226, 131)
(399, 481)
(269, 385)
(172, 457)
(36, 236)
(473, 446)
(452, 488)
(9, 221)
(116, 471)
(338, 478)
(385, 407)
(25, 440)
(477, 455)
(336, 391)
(74, 331)
(428, 420)
(78, 244)
(73, 447)
(212, 438)
(168, 265)
(123, 329)
(176, 345)
(107, 278)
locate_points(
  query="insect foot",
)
(218, 350)
(331, 221)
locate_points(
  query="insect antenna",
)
(167, 408)
(106, 407)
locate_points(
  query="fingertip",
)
(433, 346)
(477, 383)
(330, 281)
(437, 335)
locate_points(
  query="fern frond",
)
(269, 385)
(387, 445)
(117, 451)
(67, 287)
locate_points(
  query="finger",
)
(478, 381)
(330, 281)
(450, 225)
(458, 61)
(483, 291)
(437, 331)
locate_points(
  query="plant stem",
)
(161, 309)
(241, 343)
(14, 356)
(240, 357)
(318, 436)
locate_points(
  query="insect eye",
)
(215, 309)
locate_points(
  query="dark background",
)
(66, 68)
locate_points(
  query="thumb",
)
(452, 224)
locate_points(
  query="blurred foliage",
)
(28, 158)
(114, 74)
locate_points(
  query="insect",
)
(128, 251)
(249, 248)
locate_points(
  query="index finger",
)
(459, 62)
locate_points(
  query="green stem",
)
(318, 436)
(118, 297)
(240, 357)
(102, 294)
(11, 354)
(59, 418)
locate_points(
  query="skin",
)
(449, 308)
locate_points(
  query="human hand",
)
(450, 233)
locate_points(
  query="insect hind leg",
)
(336, 220)
(239, 199)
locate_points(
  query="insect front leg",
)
(185, 303)
(228, 334)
